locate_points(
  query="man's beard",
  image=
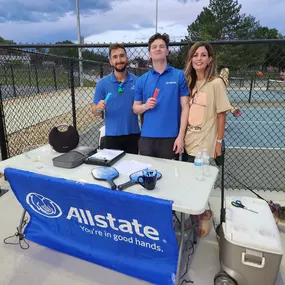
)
(120, 69)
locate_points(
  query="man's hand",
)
(178, 145)
(101, 105)
(150, 103)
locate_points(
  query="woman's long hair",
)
(190, 73)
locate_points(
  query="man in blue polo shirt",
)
(121, 124)
(165, 115)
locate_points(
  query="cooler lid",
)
(251, 230)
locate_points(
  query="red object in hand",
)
(155, 93)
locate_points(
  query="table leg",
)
(181, 245)
(194, 229)
(21, 224)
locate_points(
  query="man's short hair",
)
(158, 36)
(116, 46)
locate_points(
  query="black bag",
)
(63, 141)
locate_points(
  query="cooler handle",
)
(253, 264)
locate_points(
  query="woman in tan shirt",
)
(208, 103)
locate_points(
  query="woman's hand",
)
(218, 149)
(178, 145)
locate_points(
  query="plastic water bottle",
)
(198, 163)
(206, 162)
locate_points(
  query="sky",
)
(105, 21)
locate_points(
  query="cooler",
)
(250, 243)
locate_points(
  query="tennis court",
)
(255, 144)
(256, 95)
(257, 128)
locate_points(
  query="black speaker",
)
(63, 140)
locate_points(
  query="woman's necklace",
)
(199, 85)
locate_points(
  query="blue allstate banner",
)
(129, 233)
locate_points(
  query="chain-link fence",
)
(41, 88)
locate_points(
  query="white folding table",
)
(178, 183)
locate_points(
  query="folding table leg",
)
(21, 224)
(181, 245)
(194, 231)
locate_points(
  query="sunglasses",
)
(120, 88)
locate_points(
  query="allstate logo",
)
(43, 206)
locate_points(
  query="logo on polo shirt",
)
(133, 87)
(171, 82)
(43, 206)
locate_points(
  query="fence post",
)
(3, 137)
(250, 90)
(13, 80)
(54, 78)
(101, 70)
(267, 85)
(72, 89)
(29, 73)
(68, 76)
(6, 75)
(37, 79)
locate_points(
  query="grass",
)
(88, 83)
(38, 134)
(25, 76)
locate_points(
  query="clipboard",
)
(105, 157)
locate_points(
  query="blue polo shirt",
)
(119, 117)
(164, 120)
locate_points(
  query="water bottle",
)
(206, 162)
(198, 163)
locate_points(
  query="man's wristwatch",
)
(219, 141)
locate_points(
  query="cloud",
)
(47, 10)
(115, 21)
(269, 12)
(138, 24)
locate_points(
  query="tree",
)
(65, 51)
(91, 55)
(177, 57)
(93, 60)
(140, 61)
(274, 53)
(6, 42)
(266, 33)
(222, 20)
(203, 28)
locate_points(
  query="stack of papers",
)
(107, 154)
(130, 166)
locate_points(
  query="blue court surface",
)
(256, 96)
(256, 128)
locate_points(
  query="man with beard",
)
(121, 124)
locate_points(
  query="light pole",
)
(79, 42)
(156, 17)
